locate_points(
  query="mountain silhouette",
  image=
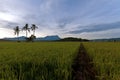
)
(47, 38)
(109, 39)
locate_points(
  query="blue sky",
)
(89, 19)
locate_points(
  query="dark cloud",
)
(7, 24)
(61, 16)
(12, 25)
(65, 21)
(95, 28)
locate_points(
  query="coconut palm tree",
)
(17, 31)
(33, 28)
(26, 28)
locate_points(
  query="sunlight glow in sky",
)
(7, 17)
(89, 19)
(5, 32)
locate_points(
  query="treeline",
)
(73, 39)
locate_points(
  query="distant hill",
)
(48, 38)
(73, 39)
(57, 38)
(109, 39)
(23, 38)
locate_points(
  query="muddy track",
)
(83, 68)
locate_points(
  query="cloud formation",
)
(96, 28)
(62, 17)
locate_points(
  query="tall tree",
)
(33, 28)
(26, 28)
(17, 31)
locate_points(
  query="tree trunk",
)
(18, 37)
(34, 32)
(26, 33)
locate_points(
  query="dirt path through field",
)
(83, 68)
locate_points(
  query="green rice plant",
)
(106, 58)
(37, 61)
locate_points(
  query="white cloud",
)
(5, 33)
(113, 33)
(47, 14)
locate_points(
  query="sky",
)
(90, 19)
